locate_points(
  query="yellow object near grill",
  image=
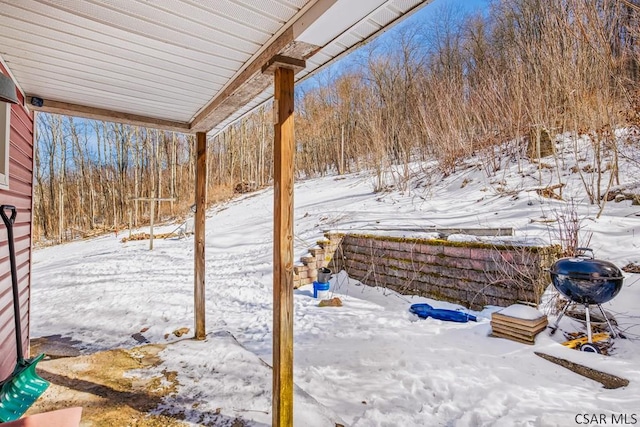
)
(579, 341)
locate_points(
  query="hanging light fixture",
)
(7, 90)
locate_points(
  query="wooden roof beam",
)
(36, 103)
(252, 81)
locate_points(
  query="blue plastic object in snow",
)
(320, 286)
(425, 310)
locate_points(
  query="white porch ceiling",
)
(188, 65)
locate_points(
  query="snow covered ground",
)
(370, 362)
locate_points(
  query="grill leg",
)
(554, 328)
(586, 315)
(613, 332)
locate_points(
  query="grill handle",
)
(583, 253)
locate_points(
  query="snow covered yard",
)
(370, 362)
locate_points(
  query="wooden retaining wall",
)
(468, 273)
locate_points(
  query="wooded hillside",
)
(522, 71)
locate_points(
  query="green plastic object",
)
(21, 389)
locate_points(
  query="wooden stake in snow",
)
(153, 200)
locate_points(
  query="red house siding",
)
(19, 194)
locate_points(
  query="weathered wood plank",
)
(94, 113)
(511, 337)
(509, 330)
(498, 324)
(282, 411)
(527, 323)
(607, 380)
(199, 222)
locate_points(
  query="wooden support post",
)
(201, 198)
(152, 219)
(153, 200)
(283, 250)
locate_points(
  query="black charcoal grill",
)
(585, 280)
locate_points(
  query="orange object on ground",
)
(69, 417)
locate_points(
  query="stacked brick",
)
(468, 273)
(306, 272)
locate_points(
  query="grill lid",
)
(586, 268)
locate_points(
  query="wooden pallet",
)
(525, 323)
(517, 329)
(511, 337)
(514, 330)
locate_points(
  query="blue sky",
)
(428, 13)
(464, 5)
